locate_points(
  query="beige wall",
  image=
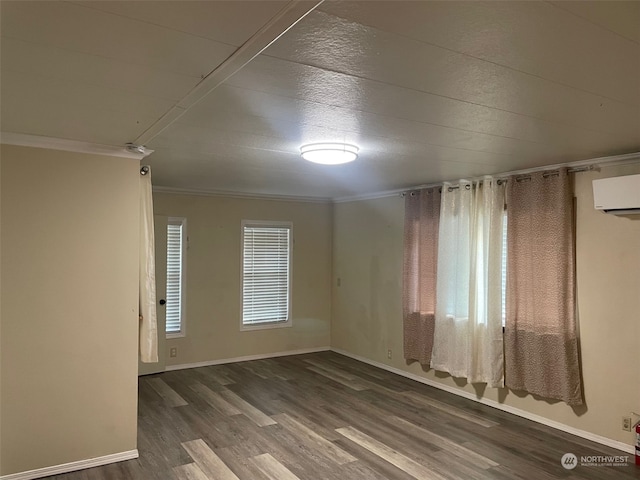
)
(68, 299)
(69, 307)
(213, 276)
(367, 313)
(0, 315)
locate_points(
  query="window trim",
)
(275, 224)
(183, 279)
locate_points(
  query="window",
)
(176, 249)
(266, 274)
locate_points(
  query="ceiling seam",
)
(584, 19)
(551, 122)
(624, 159)
(443, 146)
(431, 93)
(259, 41)
(135, 19)
(501, 65)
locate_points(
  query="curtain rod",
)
(501, 179)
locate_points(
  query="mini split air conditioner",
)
(617, 195)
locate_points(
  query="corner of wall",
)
(367, 315)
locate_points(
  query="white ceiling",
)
(430, 91)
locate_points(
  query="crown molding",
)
(240, 195)
(37, 141)
(610, 161)
(380, 194)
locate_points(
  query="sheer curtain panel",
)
(148, 336)
(541, 345)
(468, 322)
(422, 214)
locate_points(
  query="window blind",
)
(173, 307)
(265, 274)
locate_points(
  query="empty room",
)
(303, 240)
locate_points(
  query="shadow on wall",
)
(503, 393)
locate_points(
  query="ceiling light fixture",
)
(329, 153)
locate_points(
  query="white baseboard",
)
(492, 403)
(72, 466)
(246, 358)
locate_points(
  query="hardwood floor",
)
(326, 416)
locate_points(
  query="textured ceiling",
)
(430, 91)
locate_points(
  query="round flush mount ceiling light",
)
(329, 153)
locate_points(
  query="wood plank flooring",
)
(326, 416)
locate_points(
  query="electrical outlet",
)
(626, 423)
(339, 282)
(389, 354)
(173, 352)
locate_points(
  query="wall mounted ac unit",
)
(617, 195)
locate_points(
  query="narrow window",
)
(176, 248)
(266, 274)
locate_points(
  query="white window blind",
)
(266, 252)
(175, 267)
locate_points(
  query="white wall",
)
(69, 276)
(213, 276)
(367, 310)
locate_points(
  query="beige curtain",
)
(148, 323)
(541, 345)
(422, 216)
